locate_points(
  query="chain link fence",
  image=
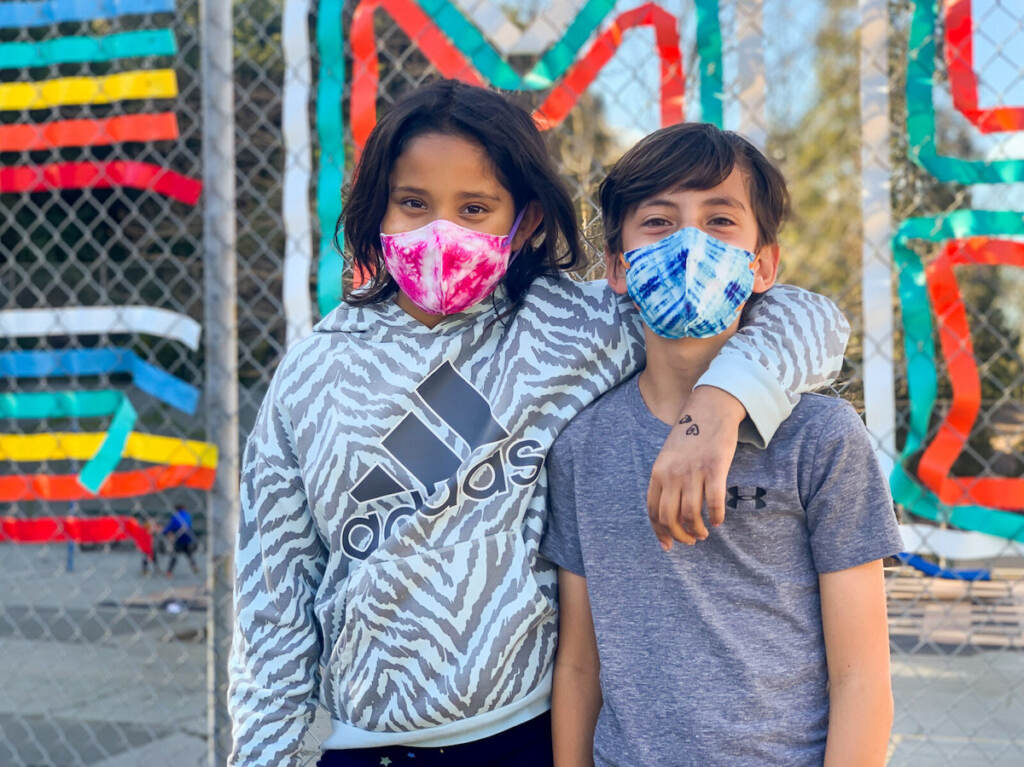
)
(895, 123)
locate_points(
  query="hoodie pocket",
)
(442, 636)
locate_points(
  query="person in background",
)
(182, 539)
(151, 562)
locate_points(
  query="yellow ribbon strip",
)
(148, 84)
(71, 446)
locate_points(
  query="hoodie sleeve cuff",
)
(766, 402)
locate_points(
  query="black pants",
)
(527, 745)
(188, 548)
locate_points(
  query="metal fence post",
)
(750, 70)
(876, 277)
(221, 311)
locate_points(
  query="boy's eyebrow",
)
(656, 202)
(729, 202)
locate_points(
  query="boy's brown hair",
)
(692, 156)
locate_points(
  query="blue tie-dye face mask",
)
(689, 285)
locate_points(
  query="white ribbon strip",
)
(879, 370)
(956, 544)
(84, 320)
(298, 169)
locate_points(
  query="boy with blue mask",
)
(766, 643)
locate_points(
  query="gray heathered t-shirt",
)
(714, 654)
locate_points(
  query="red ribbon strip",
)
(77, 529)
(121, 484)
(958, 351)
(963, 81)
(365, 77)
(451, 63)
(100, 175)
(28, 137)
(666, 36)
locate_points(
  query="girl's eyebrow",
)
(409, 190)
(480, 195)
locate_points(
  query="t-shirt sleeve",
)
(849, 509)
(561, 541)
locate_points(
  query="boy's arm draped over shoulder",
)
(792, 341)
(279, 563)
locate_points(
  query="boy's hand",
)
(692, 467)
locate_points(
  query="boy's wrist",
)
(707, 398)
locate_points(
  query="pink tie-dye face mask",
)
(445, 268)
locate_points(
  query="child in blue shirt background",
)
(179, 533)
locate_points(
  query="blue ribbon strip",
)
(95, 362)
(43, 13)
(930, 568)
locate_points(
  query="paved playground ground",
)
(89, 681)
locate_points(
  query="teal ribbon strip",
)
(330, 92)
(921, 112)
(81, 404)
(489, 62)
(922, 369)
(709, 51)
(66, 50)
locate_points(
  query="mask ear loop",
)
(515, 228)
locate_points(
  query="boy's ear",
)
(532, 217)
(615, 272)
(766, 267)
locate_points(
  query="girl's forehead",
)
(440, 157)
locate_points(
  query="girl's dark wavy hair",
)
(521, 162)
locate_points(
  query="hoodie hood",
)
(387, 318)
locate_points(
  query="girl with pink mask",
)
(394, 489)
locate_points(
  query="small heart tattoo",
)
(685, 419)
(693, 431)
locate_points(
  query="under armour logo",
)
(747, 495)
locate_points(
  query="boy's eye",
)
(656, 221)
(720, 221)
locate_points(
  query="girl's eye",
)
(474, 210)
(412, 202)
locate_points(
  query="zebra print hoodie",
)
(393, 499)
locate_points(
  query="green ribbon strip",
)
(66, 50)
(922, 370)
(81, 404)
(330, 92)
(921, 112)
